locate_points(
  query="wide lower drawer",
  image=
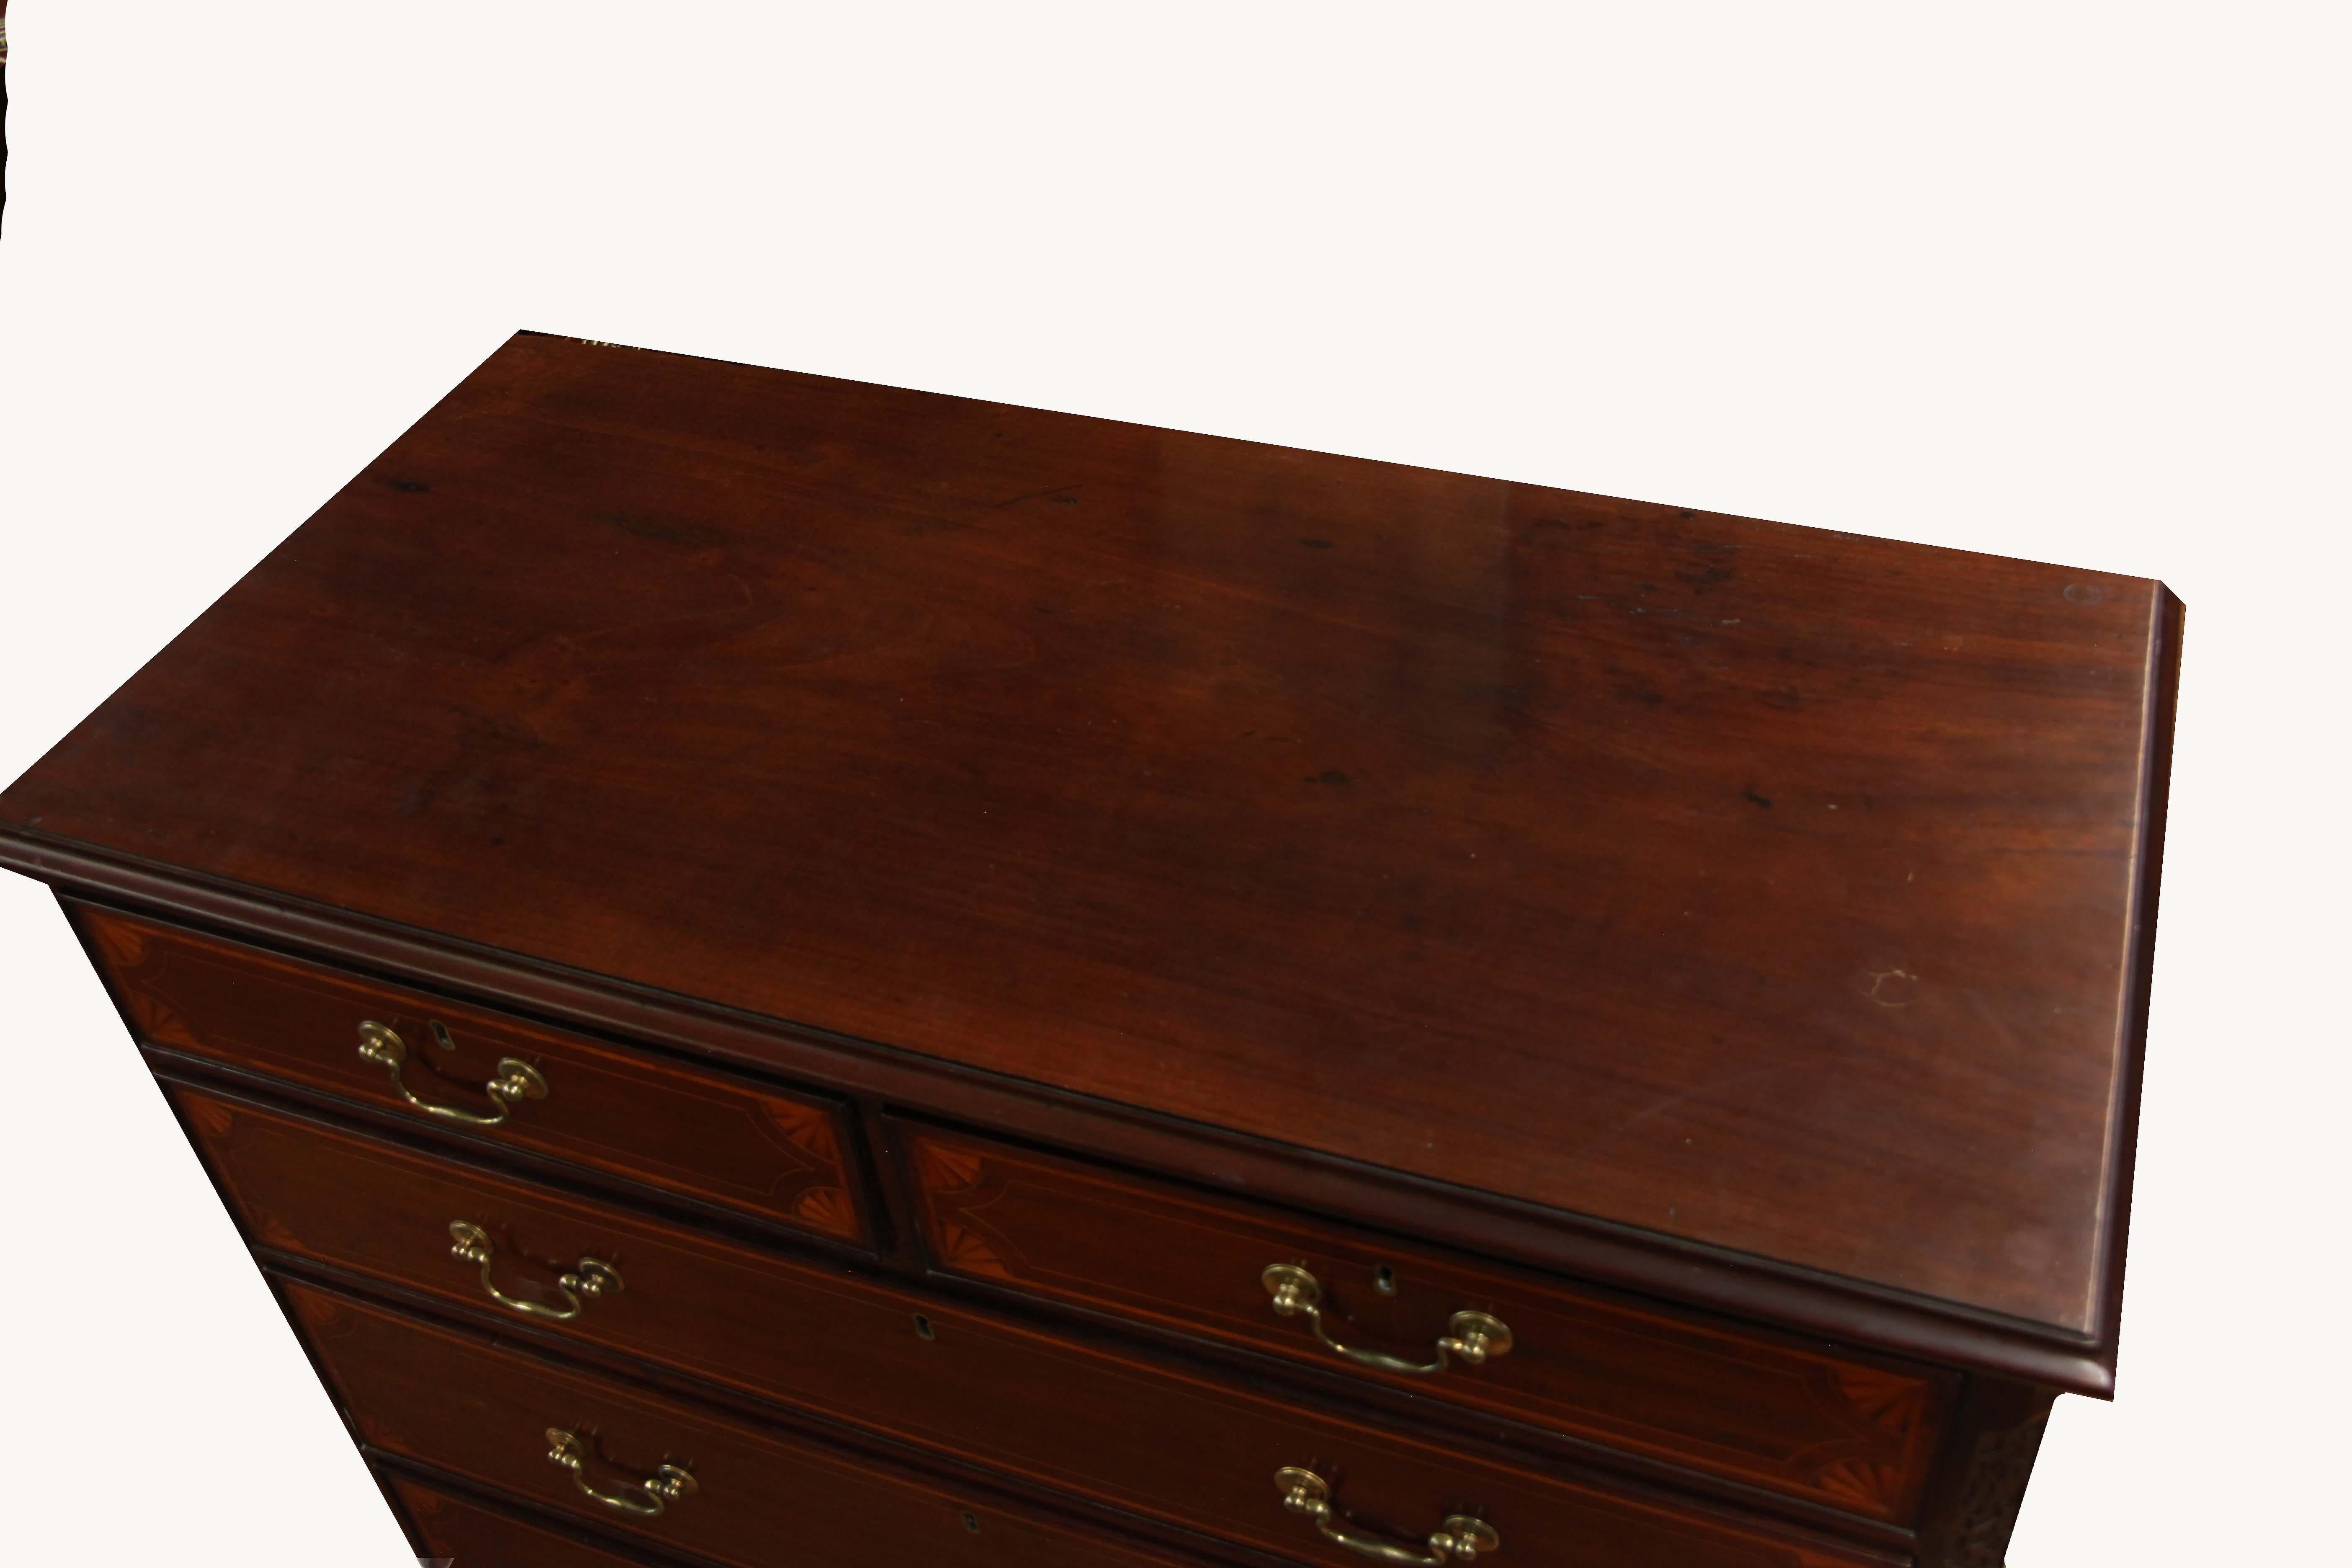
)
(1856, 1434)
(1129, 1431)
(721, 1489)
(709, 1136)
(467, 1535)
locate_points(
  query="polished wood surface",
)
(1784, 891)
(979, 885)
(1583, 1250)
(760, 1499)
(1125, 1430)
(1844, 1433)
(1854, 1435)
(710, 1136)
(451, 1400)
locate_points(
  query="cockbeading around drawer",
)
(773, 1154)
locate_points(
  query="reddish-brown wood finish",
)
(1748, 1289)
(471, 1536)
(1989, 1460)
(1853, 1435)
(1784, 891)
(715, 1138)
(450, 1400)
(1120, 1429)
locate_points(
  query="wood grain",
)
(452, 1401)
(751, 1148)
(1770, 887)
(761, 1499)
(1852, 1436)
(1856, 1435)
(1644, 1262)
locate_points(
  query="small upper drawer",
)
(1858, 1436)
(707, 1135)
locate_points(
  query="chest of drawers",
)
(777, 970)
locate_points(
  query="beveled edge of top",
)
(1688, 1273)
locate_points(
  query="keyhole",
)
(971, 1522)
(1385, 1279)
(923, 1331)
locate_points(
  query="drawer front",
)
(758, 1499)
(1857, 1436)
(468, 1535)
(1136, 1434)
(708, 1136)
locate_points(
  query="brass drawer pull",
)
(1477, 1336)
(1462, 1537)
(664, 1486)
(471, 1244)
(517, 1079)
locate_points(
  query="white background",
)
(2058, 280)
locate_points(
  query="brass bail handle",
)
(517, 1079)
(1475, 1337)
(664, 1486)
(1462, 1539)
(469, 1243)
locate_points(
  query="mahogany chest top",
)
(1738, 910)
